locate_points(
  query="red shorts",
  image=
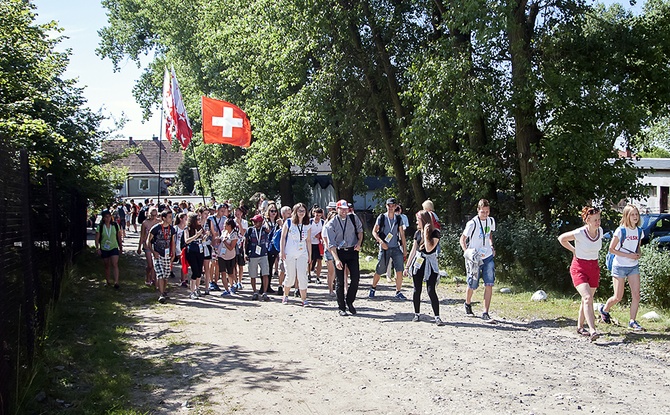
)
(585, 271)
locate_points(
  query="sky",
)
(105, 89)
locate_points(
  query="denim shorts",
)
(392, 254)
(487, 272)
(328, 255)
(623, 272)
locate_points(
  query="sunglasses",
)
(273, 211)
(592, 211)
(301, 210)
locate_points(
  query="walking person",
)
(195, 252)
(257, 256)
(147, 224)
(422, 264)
(330, 265)
(109, 246)
(317, 244)
(162, 246)
(273, 223)
(477, 243)
(584, 269)
(625, 246)
(390, 235)
(295, 251)
(345, 236)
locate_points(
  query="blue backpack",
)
(275, 246)
(609, 258)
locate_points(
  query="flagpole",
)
(160, 150)
(195, 159)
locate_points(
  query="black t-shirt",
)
(419, 235)
(162, 238)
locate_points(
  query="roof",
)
(145, 161)
(648, 164)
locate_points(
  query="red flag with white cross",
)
(224, 123)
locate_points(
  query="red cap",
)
(343, 204)
(257, 218)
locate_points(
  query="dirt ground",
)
(234, 355)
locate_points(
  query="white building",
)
(657, 179)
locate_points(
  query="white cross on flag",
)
(224, 123)
(174, 112)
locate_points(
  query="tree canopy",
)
(518, 101)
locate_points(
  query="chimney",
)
(130, 142)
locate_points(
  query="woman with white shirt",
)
(316, 226)
(584, 270)
(295, 251)
(625, 265)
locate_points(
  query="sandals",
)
(594, 336)
(583, 332)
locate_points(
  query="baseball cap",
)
(391, 201)
(257, 218)
(332, 205)
(342, 204)
(222, 205)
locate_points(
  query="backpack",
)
(475, 228)
(275, 246)
(381, 222)
(609, 258)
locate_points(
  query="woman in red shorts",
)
(584, 270)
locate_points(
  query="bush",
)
(527, 255)
(655, 276)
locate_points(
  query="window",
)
(652, 191)
(144, 184)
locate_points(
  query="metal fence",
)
(42, 228)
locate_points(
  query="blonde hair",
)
(625, 218)
(428, 205)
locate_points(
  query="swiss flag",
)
(224, 123)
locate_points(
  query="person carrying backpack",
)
(625, 246)
(389, 233)
(109, 245)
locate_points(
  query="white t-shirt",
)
(224, 252)
(479, 234)
(630, 245)
(296, 240)
(316, 228)
(585, 247)
(242, 231)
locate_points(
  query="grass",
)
(85, 363)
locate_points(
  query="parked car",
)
(654, 225)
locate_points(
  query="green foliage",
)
(655, 152)
(655, 276)
(529, 255)
(231, 183)
(451, 253)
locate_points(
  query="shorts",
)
(240, 259)
(393, 255)
(328, 255)
(316, 254)
(623, 272)
(487, 272)
(162, 265)
(122, 222)
(133, 219)
(254, 263)
(585, 271)
(226, 265)
(108, 254)
(207, 249)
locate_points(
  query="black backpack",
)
(142, 215)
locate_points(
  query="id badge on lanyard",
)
(258, 250)
(389, 237)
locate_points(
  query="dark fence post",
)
(54, 240)
(27, 259)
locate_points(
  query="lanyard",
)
(389, 222)
(166, 232)
(300, 230)
(258, 235)
(482, 227)
(108, 231)
(344, 228)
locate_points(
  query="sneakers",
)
(417, 317)
(225, 293)
(635, 326)
(162, 299)
(486, 317)
(265, 297)
(116, 286)
(280, 290)
(233, 289)
(352, 309)
(205, 293)
(399, 296)
(193, 296)
(214, 286)
(604, 315)
(306, 303)
(184, 284)
(285, 300)
(239, 286)
(270, 290)
(468, 309)
(342, 313)
(254, 297)
(438, 321)
(372, 293)
(318, 280)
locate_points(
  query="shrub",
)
(655, 276)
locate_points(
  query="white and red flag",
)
(224, 123)
(176, 120)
